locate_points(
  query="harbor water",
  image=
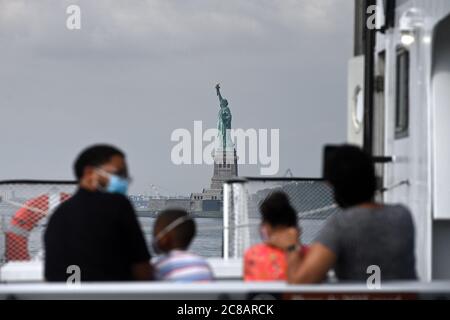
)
(207, 243)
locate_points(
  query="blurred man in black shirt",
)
(97, 230)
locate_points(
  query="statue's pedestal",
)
(225, 167)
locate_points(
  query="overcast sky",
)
(139, 69)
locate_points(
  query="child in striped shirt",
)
(173, 232)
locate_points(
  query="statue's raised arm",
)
(218, 92)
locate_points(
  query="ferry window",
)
(402, 95)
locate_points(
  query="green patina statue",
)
(224, 121)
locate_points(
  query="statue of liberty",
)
(224, 123)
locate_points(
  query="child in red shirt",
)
(264, 262)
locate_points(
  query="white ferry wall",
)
(422, 157)
(440, 102)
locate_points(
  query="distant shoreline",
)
(210, 214)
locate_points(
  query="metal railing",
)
(311, 198)
(25, 206)
(226, 290)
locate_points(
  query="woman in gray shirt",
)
(363, 236)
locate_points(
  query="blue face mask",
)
(117, 184)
